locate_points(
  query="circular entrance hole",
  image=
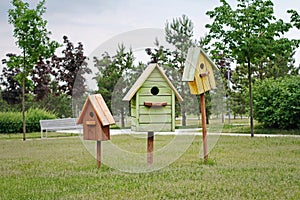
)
(201, 65)
(91, 114)
(154, 90)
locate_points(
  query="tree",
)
(250, 34)
(111, 70)
(12, 89)
(295, 18)
(179, 33)
(32, 38)
(41, 78)
(70, 69)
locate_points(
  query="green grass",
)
(237, 125)
(35, 135)
(243, 126)
(238, 168)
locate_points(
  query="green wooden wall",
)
(153, 118)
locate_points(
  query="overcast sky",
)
(93, 22)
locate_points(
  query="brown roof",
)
(100, 109)
(139, 82)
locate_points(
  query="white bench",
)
(58, 124)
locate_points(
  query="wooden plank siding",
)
(152, 100)
(162, 90)
(198, 71)
(154, 118)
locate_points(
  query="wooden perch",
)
(155, 104)
(204, 74)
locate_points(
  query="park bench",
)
(58, 124)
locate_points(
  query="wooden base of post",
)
(150, 148)
(204, 134)
(98, 154)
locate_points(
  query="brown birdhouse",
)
(96, 118)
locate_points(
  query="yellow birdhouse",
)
(198, 71)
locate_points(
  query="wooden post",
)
(150, 148)
(99, 154)
(204, 135)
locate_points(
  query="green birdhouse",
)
(152, 101)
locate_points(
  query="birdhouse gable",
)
(96, 106)
(192, 61)
(154, 78)
(198, 71)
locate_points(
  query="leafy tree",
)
(251, 36)
(159, 54)
(276, 102)
(224, 66)
(70, 69)
(4, 106)
(295, 18)
(238, 102)
(179, 33)
(41, 77)
(111, 70)
(60, 105)
(12, 89)
(32, 38)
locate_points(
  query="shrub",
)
(61, 105)
(276, 103)
(11, 122)
(33, 118)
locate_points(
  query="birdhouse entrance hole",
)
(91, 114)
(202, 66)
(154, 90)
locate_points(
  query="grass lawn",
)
(237, 125)
(238, 168)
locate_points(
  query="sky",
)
(93, 22)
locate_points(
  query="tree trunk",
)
(223, 120)
(23, 109)
(183, 113)
(122, 117)
(23, 98)
(251, 98)
(207, 118)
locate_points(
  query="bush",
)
(276, 103)
(60, 105)
(11, 122)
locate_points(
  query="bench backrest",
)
(55, 124)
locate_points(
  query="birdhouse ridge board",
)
(96, 118)
(152, 101)
(198, 71)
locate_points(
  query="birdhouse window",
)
(91, 114)
(202, 66)
(154, 90)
